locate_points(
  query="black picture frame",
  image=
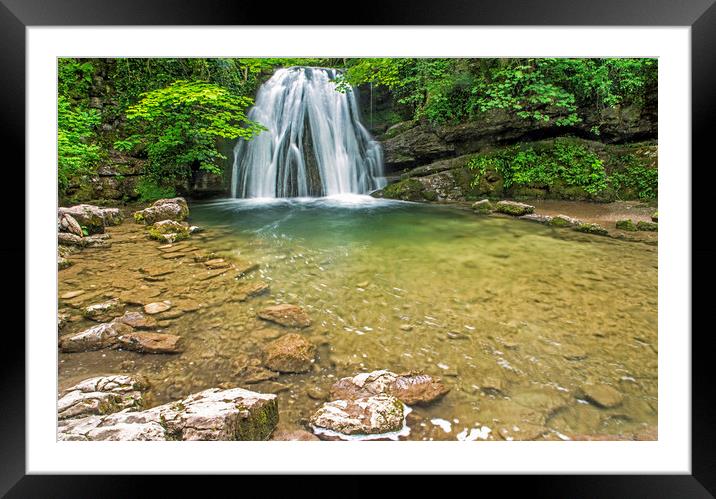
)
(700, 15)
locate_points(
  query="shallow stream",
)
(512, 315)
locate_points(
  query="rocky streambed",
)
(359, 320)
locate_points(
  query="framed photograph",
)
(428, 242)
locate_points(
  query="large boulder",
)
(290, 353)
(102, 395)
(164, 209)
(411, 389)
(376, 415)
(286, 315)
(213, 414)
(93, 218)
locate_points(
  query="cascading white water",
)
(315, 144)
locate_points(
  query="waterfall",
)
(315, 144)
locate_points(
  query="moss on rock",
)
(168, 231)
(627, 224)
(513, 208)
(647, 226)
(592, 229)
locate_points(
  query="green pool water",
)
(515, 317)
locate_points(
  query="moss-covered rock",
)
(647, 226)
(592, 229)
(483, 207)
(163, 209)
(514, 208)
(168, 231)
(408, 190)
(564, 221)
(655, 217)
(627, 224)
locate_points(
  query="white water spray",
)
(315, 144)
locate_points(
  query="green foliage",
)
(149, 190)
(180, 125)
(547, 89)
(74, 78)
(76, 153)
(566, 162)
(632, 176)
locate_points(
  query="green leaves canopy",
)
(180, 125)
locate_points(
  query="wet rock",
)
(482, 207)
(233, 414)
(564, 221)
(170, 315)
(534, 217)
(514, 208)
(602, 395)
(290, 353)
(592, 229)
(655, 217)
(256, 374)
(195, 229)
(168, 231)
(102, 312)
(217, 263)
(97, 241)
(102, 395)
(244, 268)
(95, 338)
(492, 385)
(150, 342)
(456, 335)
(406, 327)
(316, 393)
(647, 226)
(138, 320)
(293, 435)
(72, 294)
(626, 225)
(157, 307)
(254, 288)
(174, 209)
(546, 401)
(68, 239)
(91, 217)
(63, 317)
(63, 263)
(67, 223)
(412, 389)
(367, 416)
(286, 315)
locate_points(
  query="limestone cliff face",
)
(451, 179)
(408, 145)
(426, 162)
